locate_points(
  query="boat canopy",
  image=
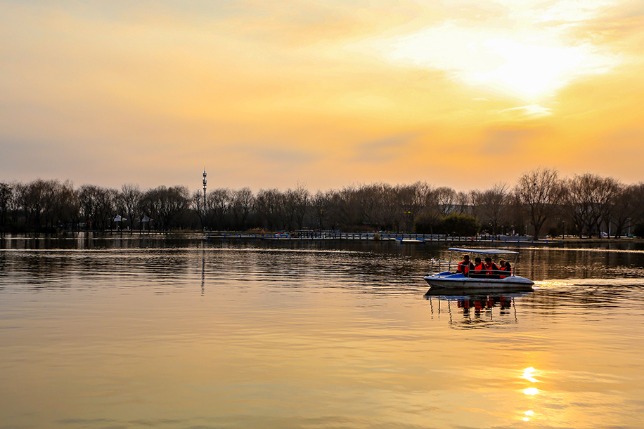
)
(484, 251)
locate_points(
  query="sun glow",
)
(529, 66)
(529, 70)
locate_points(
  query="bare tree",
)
(638, 197)
(296, 202)
(606, 195)
(97, 206)
(438, 204)
(30, 200)
(589, 200)
(165, 205)
(624, 211)
(489, 206)
(539, 191)
(197, 205)
(335, 210)
(445, 200)
(241, 205)
(66, 205)
(389, 208)
(218, 208)
(6, 195)
(130, 197)
(368, 199)
(47, 204)
(411, 200)
(345, 209)
(591, 204)
(318, 206)
(269, 205)
(463, 203)
(430, 213)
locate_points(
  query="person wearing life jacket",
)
(490, 268)
(465, 266)
(478, 268)
(504, 269)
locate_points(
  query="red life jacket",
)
(490, 269)
(504, 268)
(463, 267)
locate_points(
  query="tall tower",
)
(205, 182)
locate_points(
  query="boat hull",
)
(460, 283)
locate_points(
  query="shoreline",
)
(402, 238)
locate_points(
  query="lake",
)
(133, 332)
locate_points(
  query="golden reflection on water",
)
(221, 339)
(528, 415)
(529, 375)
(531, 391)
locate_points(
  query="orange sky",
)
(320, 94)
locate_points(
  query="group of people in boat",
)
(484, 268)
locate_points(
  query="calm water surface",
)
(185, 334)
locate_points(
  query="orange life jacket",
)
(463, 267)
(504, 268)
(490, 269)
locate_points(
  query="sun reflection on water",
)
(529, 374)
(531, 391)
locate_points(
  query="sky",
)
(320, 94)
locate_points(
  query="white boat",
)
(449, 280)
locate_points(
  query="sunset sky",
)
(320, 94)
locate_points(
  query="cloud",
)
(525, 50)
(527, 111)
(386, 149)
(506, 141)
(271, 154)
(631, 137)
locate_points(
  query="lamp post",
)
(203, 254)
(205, 182)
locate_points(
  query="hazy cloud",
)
(382, 150)
(501, 142)
(272, 154)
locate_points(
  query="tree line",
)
(540, 203)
